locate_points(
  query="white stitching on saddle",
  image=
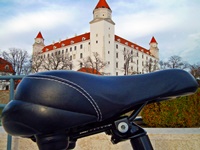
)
(93, 103)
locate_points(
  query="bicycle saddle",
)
(62, 100)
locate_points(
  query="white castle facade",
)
(102, 39)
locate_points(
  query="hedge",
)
(180, 112)
(0, 115)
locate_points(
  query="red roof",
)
(130, 44)
(89, 70)
(5, 66)
(67, 42)
(86, 36)
(39, 35)
(102, 4)
(153, 40)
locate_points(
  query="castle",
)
(111, 48)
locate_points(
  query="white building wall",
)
(102, 42)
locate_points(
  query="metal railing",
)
(11, 79)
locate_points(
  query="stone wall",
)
(161, 139)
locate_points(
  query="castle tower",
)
(102, 34)
(154, 48)
(38, 44)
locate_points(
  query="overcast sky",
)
(174, 23)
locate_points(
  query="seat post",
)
(141, 143)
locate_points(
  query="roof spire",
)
(39, 35)
(153, 40)
(102, 4)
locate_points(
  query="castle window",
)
(62, 51)
(83, 38)
(70, 49)
(131, 67)
(81, 55)
(7, 67)
(70, 66)
(72, 42)
(96, 41)
(66, 50)
(116, 55)
(116, 73)
(116, 64)
(109, 42)
(108, 52)
(81, 46)
(48, 55)
(70, 57)
(116, 46)
(88, 43)
(81, 65)
(74, 47)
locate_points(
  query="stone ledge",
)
(161, 139)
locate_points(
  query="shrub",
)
(0, 115)
(180, 112)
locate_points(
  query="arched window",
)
(7, 67)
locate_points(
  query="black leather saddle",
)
(63, 100)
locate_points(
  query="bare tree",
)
(128, 58)
(18, 58)
(195, 70)
(176, 62)
(151, 65)
(95, 63)
(57, 62)
(36, 62)
(163, 65)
